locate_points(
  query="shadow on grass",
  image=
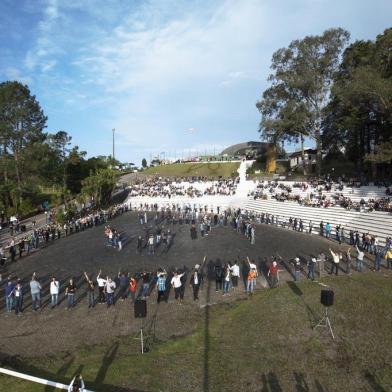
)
(373, 383)
(270, 383)
(18, 365)
(206, 375)
(298, 292)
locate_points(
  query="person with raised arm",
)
(90, 291)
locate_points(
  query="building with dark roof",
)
(246, 149)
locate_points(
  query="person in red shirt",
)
(132, 288)
(273, 274)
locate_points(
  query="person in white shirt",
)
(335, 261)
(110, 287)
(101, 288)
(252, 266)
(360, 256)
(177, 285)
(235, 274)
(54, 291)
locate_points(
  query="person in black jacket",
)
(196, 280)
(218, 275)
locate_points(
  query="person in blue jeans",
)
(18, 295)
(9, 295)
(227, 280)
(35, 290)
(297, 269)
(70, 292)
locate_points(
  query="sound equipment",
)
(140, 308)
(327, 297)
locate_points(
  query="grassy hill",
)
(224, 169)
(266, 343)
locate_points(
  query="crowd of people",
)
(21, 245)
(164, 187)
(320, 194)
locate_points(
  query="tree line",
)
(337, 94)
(38, 167)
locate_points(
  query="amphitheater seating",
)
(377, 223)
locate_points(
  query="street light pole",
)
(113, 130)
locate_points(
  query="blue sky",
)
(155, 69)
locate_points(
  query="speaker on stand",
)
(326, 299)
(140, 311)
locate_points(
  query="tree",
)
(144, 163)
(359, 115)
(99, 186)
(301, 83)
(22, 122)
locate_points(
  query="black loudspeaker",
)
(140, 308)
(326, 297)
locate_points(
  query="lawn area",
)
(224, 169)
(265, 343)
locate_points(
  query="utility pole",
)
(113, 130)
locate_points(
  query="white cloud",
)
(13, 73)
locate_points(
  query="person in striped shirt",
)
(161, 285)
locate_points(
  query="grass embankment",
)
(224, 169)
(264, 344)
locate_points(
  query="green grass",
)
(264, 344)
(224, 169)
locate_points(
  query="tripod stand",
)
(324, 322)
(141, 336)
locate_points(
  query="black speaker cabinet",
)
(140, 308)
(326, 297)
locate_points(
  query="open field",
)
(264, 343)
(224, 169)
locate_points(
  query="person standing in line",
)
(252, 235)
(35, 290)
(146, 284)
(388, 258)
(161, 286)
(90, 291)
(54, 291)
(235, 274)
(360, 256)
(218, 276)
(252, 265)
(297, 269)
(311, 266)
(18, 295)
(335, 262)
(321, 264)
(70, 292)
(226, 280)
(101, 288)
(151, 245)
(348, 261)
(177, 285)
(123, 283)
(9, 295)
(110, 287)
(310, 227)
(132, 288)
(139, 245)
(195, 282)
(250, 284)
(273, 272)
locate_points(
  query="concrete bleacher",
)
(377, 223)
